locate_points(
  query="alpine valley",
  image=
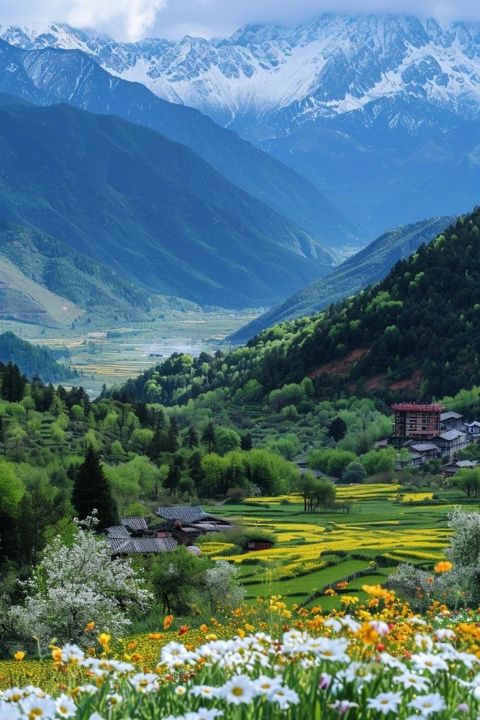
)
(239, 363)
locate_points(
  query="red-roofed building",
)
(417, 421)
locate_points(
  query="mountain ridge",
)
(374, 111)
(146, 207)
(365, 268)
(51, 76)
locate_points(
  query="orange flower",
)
(443, 567)
(184, 629)
(57, 654)
(168, 622)
(155, 636)
(203, 628)
(89, 627)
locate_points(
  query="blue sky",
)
(133, 19)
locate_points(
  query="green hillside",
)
(368, 266)
(32, 360)
(44, 282)
(148, 208)
(414, 335)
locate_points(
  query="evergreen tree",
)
(246, 442)
(92, 491)
(173, 436)
(174, 474)
(196, 470)
(13, 384)
(208, 437)
(338, 429)
(159, 444)
(192, 438)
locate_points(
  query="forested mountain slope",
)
(50, 76)
(414, 335)
(360, 270)
(148, 208)
(33, 361)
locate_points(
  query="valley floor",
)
(110, 355)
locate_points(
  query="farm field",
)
(110, 355)
(313, 551)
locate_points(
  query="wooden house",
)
(186, 523)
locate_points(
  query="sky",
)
(135, 19)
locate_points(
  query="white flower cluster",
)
(258, 677)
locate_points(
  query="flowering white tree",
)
(223, 590)
(78, 583)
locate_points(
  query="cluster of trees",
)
(317, 493)
(33, 360)
(77, 582)
(423, 317)
(347, 467)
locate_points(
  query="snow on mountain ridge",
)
(267, 77)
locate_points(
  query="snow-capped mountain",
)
(379, 112)
(264, 79)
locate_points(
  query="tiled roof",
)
(413, 407)
(424, 447)
(450, 416)
(135, 523)
(182, 513)
(141, 545)
(117, 531)
(451, 435)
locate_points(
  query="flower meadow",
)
(365, 660)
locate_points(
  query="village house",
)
(451, 421)
(417, 422)
(473, 429)
(186, 524)
(430, 433)
(425, 450)
(452, 442)
(122, 542)
(452, 468)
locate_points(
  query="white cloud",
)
(132, 19)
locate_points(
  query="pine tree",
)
(13, 384)
(196, 470)
(208, 437)
(338, 429)
(174, 474)
(246, 442)
(192, 438)
(173, 436)
(92, 491)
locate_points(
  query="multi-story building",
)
(416, 422)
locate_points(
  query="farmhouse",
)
(125, 540)
(186, 524)
(451, 421)
(452, 441)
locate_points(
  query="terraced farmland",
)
(313, 551)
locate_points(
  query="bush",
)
(354, 473)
